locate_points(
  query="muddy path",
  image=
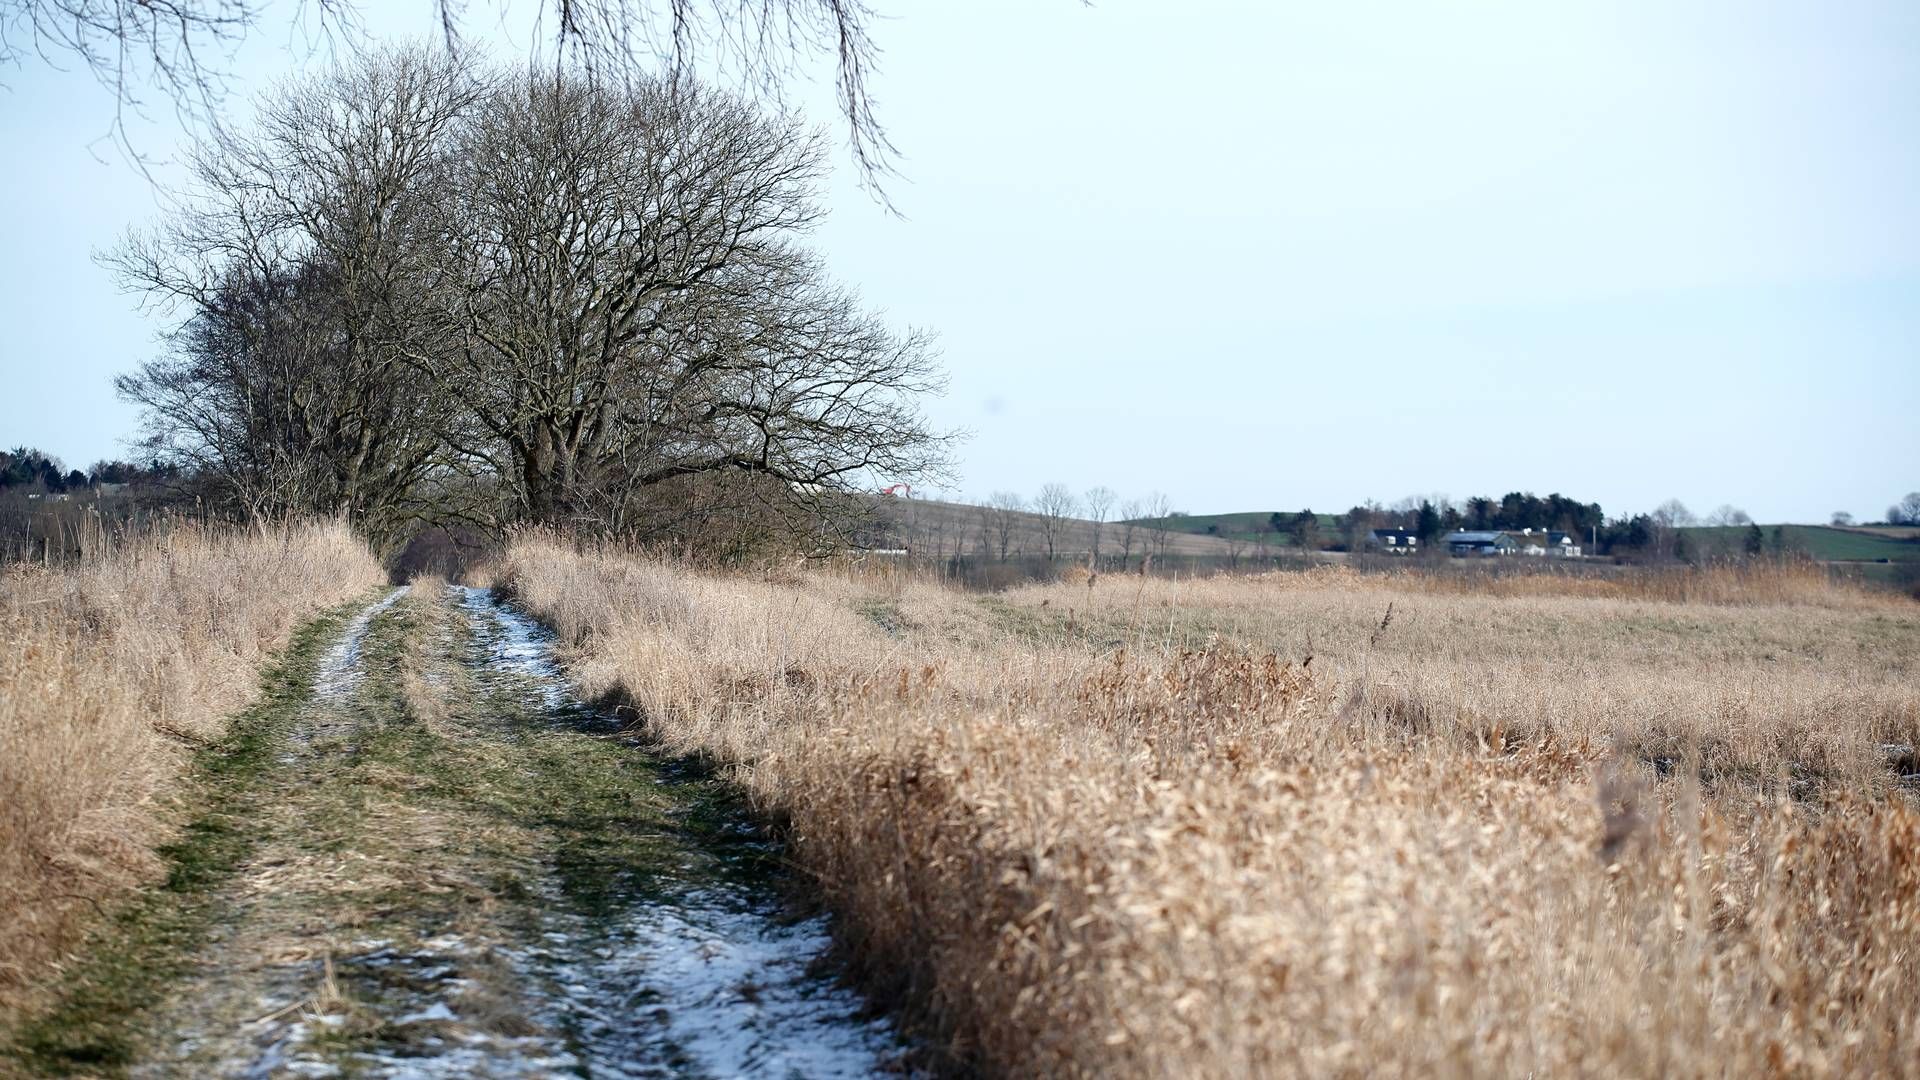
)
(433, 860)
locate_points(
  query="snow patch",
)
(339, 670)
(710, 980)
(517, 644)
(436, 1011)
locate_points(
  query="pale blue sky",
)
(1281, 255)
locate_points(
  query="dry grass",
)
(1131, 830)
(109, 671)
(1792, 581)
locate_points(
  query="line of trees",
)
(1432, 516)
(1008, 522)
(421, 288)
(27, 469)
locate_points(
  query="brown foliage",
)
(109, 672)
(1142, 839)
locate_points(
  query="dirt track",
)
(444, 865)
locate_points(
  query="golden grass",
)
(1128, 829)
(109, 671)
(1796, 581)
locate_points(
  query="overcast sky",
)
(1268, 255)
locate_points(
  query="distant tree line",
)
(26, 469)
(421, 289)
(1432, 517)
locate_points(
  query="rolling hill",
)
(932, 526)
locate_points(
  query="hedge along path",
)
(421, 855)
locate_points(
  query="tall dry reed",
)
(1132, 829)
(109, 672)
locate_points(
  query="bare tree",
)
(1004, 514)
(297, 259)
(1235, 545)
(1130, 513)
(1158, 507)
(176, 48)
(1669, 518)
(631, 309)
(1906, 511)
(1099, 503)
(1842, 519)
(439, 280)
(1673, 514)
(1056, 506)
(1728, 515)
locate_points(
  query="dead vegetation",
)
(1251, 826)
(1796, 581)
(109, 672)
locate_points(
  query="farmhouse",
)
(1393, 541)
(1480, 543)
(1528, 541)
(1512, 542)
(1562, 544)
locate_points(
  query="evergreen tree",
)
(1756, 540)
(1427, 525)
(1306, 530)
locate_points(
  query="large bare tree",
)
(534, 294)
(297, 256)
(631, 306)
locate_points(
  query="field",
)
(1317, 823)
(1658, 822)
(1248, 526)
(935, 529)
(1822, 542)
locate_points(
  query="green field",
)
(1819, 541)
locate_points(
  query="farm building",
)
(1528, 541)
(1480, 543)
(1393, 541)
(1562, 544)
(1512, 542)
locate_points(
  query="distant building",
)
(1479, 543)
(1528, 541)
(1535, 542)
(1393, 541)
(1563, 544)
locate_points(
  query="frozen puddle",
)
(708, 982)
(339, 671)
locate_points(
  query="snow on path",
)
(339, 671)
(710, 976)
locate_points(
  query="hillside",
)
(1249, 526)
(1828, 544)
(939, 528)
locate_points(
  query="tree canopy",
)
(420, 287)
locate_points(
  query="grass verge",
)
(130, 958)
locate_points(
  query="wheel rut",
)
(465, 871)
